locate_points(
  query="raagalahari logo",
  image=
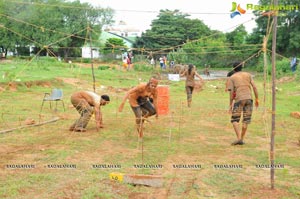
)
(236, 9)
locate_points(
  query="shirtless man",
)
(140, 101)
(240, 83)
(87, 103)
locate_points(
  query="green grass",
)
(201, 135)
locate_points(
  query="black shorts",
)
(245, 106)
(145, 109)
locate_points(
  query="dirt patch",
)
(13, 86)
(5, 60)
(158, 194)
(84, 84)
(117, 90)
(72, 81)
(96, 65)
(286, 79)
(266, 193)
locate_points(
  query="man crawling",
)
(143, 101)
(87, 103)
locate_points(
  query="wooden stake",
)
(272, 145)
(92, 60)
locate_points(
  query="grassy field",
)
(200, 135)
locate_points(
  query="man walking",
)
(239, 87)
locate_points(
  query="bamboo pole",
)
(272, 145)
(92, 59)
(33, 125)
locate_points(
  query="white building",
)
(123, 30)
(86, 52)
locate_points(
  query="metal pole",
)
(272, 145)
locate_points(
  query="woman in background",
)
(190, 74)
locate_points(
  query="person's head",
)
(237, 66)
(190, 68)
(104, 100)
(153, 82)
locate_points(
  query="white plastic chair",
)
(56, 95)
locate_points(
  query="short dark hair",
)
(105, 97)
(230, 73)
(237, 66)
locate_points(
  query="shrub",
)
(103, 67)
(142, 67)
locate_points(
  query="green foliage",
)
(288, 29)
(179, 55)
(282, 66)
(171, 28)
(65, 30)
(218, 50)
(114, 45)
(86, 60)
(40, 68)
(143, 67)
(103, 67)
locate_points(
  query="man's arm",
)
(98, 116)
(230, 100)
(231, 93)
(126, 97)
(255, 93)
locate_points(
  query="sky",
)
(214, 13)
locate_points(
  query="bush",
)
(283, 66)
(142, 67)
(103, 67)
(86, 60)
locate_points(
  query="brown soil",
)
(13, 86)
(286, 79)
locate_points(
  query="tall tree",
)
(55, 23)
(237, 37)
(288, 40)
(170, 29)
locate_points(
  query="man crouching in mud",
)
(143, 102)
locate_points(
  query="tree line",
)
(191, 41)
(65, 26)
(51, 26)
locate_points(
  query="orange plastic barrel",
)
(163, 100)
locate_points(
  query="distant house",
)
(86, 52)
(121, 31)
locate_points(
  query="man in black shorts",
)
(240, 83)
(143, 102)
